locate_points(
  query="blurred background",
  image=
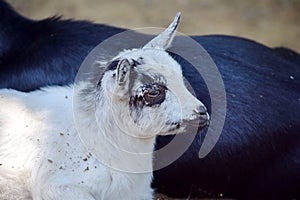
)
(272, 22)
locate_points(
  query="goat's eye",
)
(154, 94)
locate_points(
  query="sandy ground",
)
(272, 22)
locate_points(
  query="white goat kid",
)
(140, 95)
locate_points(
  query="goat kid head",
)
(146, 92)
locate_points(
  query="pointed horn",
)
(164, 39)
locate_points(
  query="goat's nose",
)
(201, 110)
(203, 115)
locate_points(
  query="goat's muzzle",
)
(203, 115)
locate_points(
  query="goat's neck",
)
(111, 145)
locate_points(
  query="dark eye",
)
(154, 94)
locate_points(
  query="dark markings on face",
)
(149, 95)
(112, 66)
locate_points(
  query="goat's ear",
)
(164, 39)
(123, 70)
(122, 77)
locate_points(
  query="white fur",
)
(43, 157)
(39, 142)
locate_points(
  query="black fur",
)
(46, 52)
(258, 153)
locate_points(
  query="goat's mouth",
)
(179, 126)
(200, 122)
(172, 128)
(203, 120)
